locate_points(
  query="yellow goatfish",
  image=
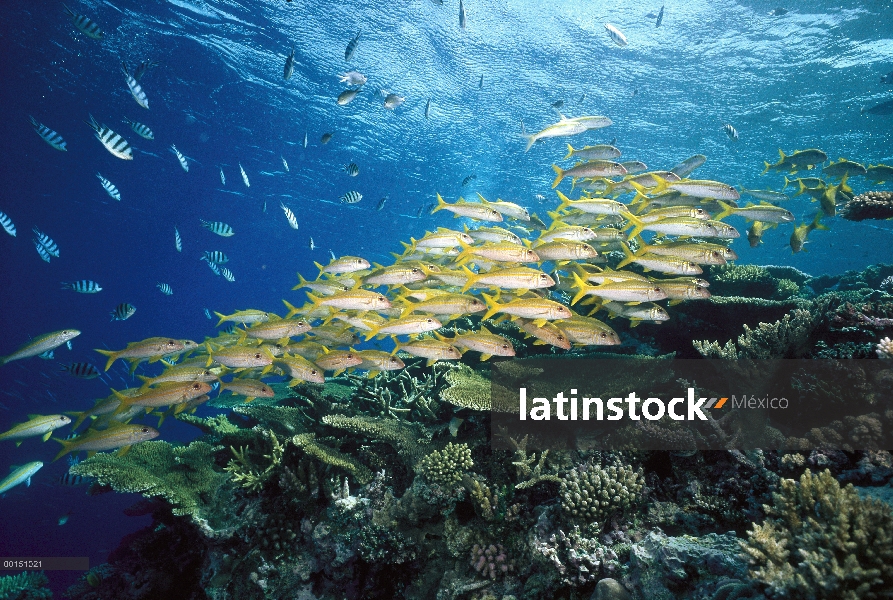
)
(41, 344)
(472, 210)
(119, 436)
(36, 425)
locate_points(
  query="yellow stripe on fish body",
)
(352, 300)
(179, 374)
(608, 275)
(637, 313)
(488, 344)
(345, 264)
(507, 209)
(765, 213)
(592, 168)
(587, 331)
(375, 361)
(41, 344)
(411, 325)
(364, 322)
(431, 349)
(338, 360)
(442, 238)
(239, 357)
(565, 250)
(36, 425)
(700, 188)
(492, 234)
(299, 368)
(325, 287)
(20, 475)
(243, 316)
(277, 330)
(336, 335)
(151, 348)
(624, 291)
(513, 278)
(691, 212)
(107, 439)
(702, 254)
(397, 274)
(472, 210)
(676, 226)
(165, 394)
(499, 252)
(538, 309)
(659, 262)
(683, 288)
(250, 388)
(545, 333)
(447, 304)
(594, 206)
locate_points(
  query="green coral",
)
(787, 288)
(787, 338)
(282, 420)
(446, 467)
(409, 439)
(307, 442)
(246, 473)
(823, 541)
(25, 586)
(467, 389)
(182, 475)
(742, 280)
(590, 492)
(218, 426)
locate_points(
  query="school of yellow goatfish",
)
(483, 269)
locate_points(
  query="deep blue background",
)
(792, 82)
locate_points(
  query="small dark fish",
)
(69, 479)
(614, 142)
(481, 82)
(778, 12)
(635, 92)
(428, 108)
(888, 78)
(289, 65)
(381, 203)
(731, 132)
(81, 370)
(884, 108)
(462, 18)
(123, 312)
(660, 17)
(469, 179)
(352, 47)
(437, 2)
(558, 104)
(419, 214)
(352, 169)
(143, 67)
(326, 138)
(64, 518)
(651, 15)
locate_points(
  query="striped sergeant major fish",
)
(381, 203)
(284, 164)
(289, 65)
(72, 480)
(109, 187)
(178, 243)
(138, 94)
(81, 370)
(731, 132)
(86, 25)
(112, 141)
(227, 274)
(214, 268)
(351, 197)
(352, 47)
(48, 135)
(221, 229)
(244, 176)
(289, 215)
(83, 286)
(164, 289)
(352, 169)
(7, 224)
(123, 311)
(46, 241)
(143, 67)
(222, 177)
(215, 256)
(141, 130)
(181, 158)
(41, 251)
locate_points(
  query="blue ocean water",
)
(792, 82)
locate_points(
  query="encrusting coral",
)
(823, 541)
(870, 205)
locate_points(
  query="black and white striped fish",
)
(215, 256)
(227, 274)
(284, 164)
(87, 26)
(214, 268)
(730, 131)
(141, 130)
(312, 245)
(112, 141)
(164, 289)
(244, 176)
(221, 229)
(81, 370)
(109, 187)
(178, 243)
(48, 135)
(143, 67)
(382, 202)
(123, 311)
(351, 197)
(83, 286)
(289, 215)
(181, 158)
(48, 244)
(289, 65)
(138, 94)
(351, 47)
(42, 251)
(7, 224)
(352, 169)
(70, 479)
(222, 177)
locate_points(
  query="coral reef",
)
(446, 467)
(25, 586)
(788, 338)
(885, 348)
(870, 205)
(590, 492)
(823, 541)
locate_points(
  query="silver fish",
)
(290, 216)
(351, 197)
(244, 176)
(181, 158)
(48, 135)
(289, 65)
(141, 130)
(227, 274)
(731, 132)
(109, 187)
(222, 177)
(178, 243)
(138, 94)
(284, 164)
(165, 289)
(351, 47)
(112, 141)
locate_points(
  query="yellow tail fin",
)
(560, 176)
(570, 152)
(580, 284)
(726, 211)
(440, 205)
(113, 356)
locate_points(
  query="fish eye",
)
(313, 372)
(145, 430)
(560, 338)
(415, 271)
(429, 320)
(505, 346)
(603, 335)
(257, 355)
(196, 386)
(657, 289)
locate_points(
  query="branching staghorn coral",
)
(821, 541)
(787, 338)
(529, 467)
(409, 439)
(246, 473)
